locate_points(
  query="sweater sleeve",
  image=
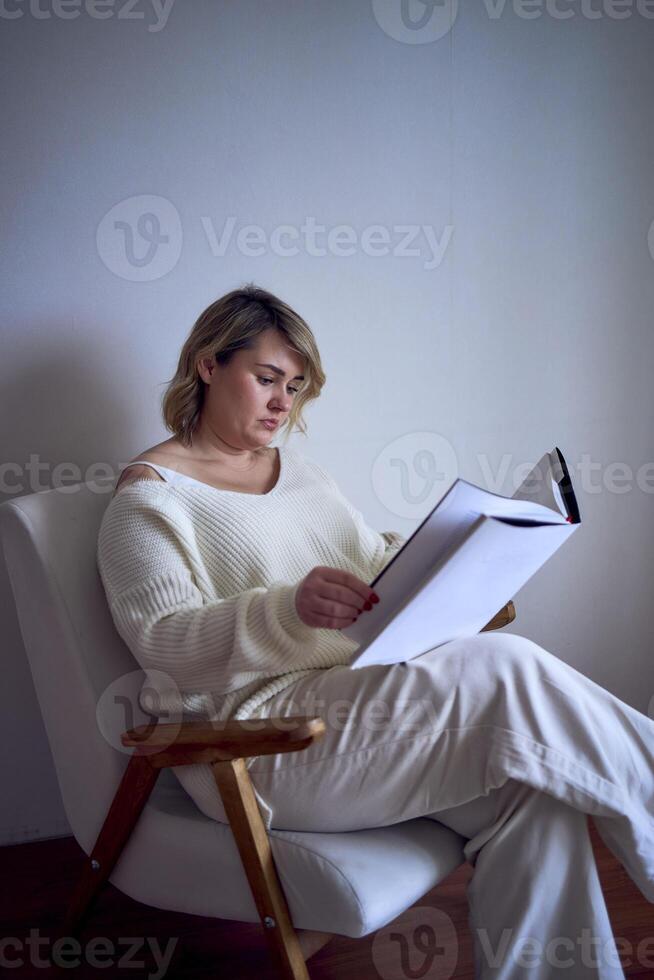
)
(158, 600)
(388, 543)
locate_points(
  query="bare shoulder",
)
(168, 449)
(139, 471)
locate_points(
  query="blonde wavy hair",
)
(232, 323)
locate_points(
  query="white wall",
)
(530, 141)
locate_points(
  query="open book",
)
(468, 558)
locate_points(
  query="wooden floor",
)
(37, 879)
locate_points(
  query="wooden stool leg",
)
(131, 796)
(242, 810)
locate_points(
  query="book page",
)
(443, 529)
(541, 485)
(478, 578)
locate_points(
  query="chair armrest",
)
(224, 744)
(505, 616)
(191, 742)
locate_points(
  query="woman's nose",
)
(282, 402)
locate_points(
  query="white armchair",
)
(131, 816)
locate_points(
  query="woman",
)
(231, 567)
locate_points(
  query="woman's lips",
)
(269, 424)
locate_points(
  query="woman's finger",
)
(332, 609)
(345, 580)
(337, 593)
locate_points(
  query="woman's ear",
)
(205, 369)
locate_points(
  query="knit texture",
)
(201, 584)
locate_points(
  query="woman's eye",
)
(293, 391)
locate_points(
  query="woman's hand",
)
(332, 598)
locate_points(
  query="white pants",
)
(509, 746)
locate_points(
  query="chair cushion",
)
(180, 859)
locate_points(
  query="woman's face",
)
(241, 394)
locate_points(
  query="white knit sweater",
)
(201, 584)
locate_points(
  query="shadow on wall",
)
(65, 420)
